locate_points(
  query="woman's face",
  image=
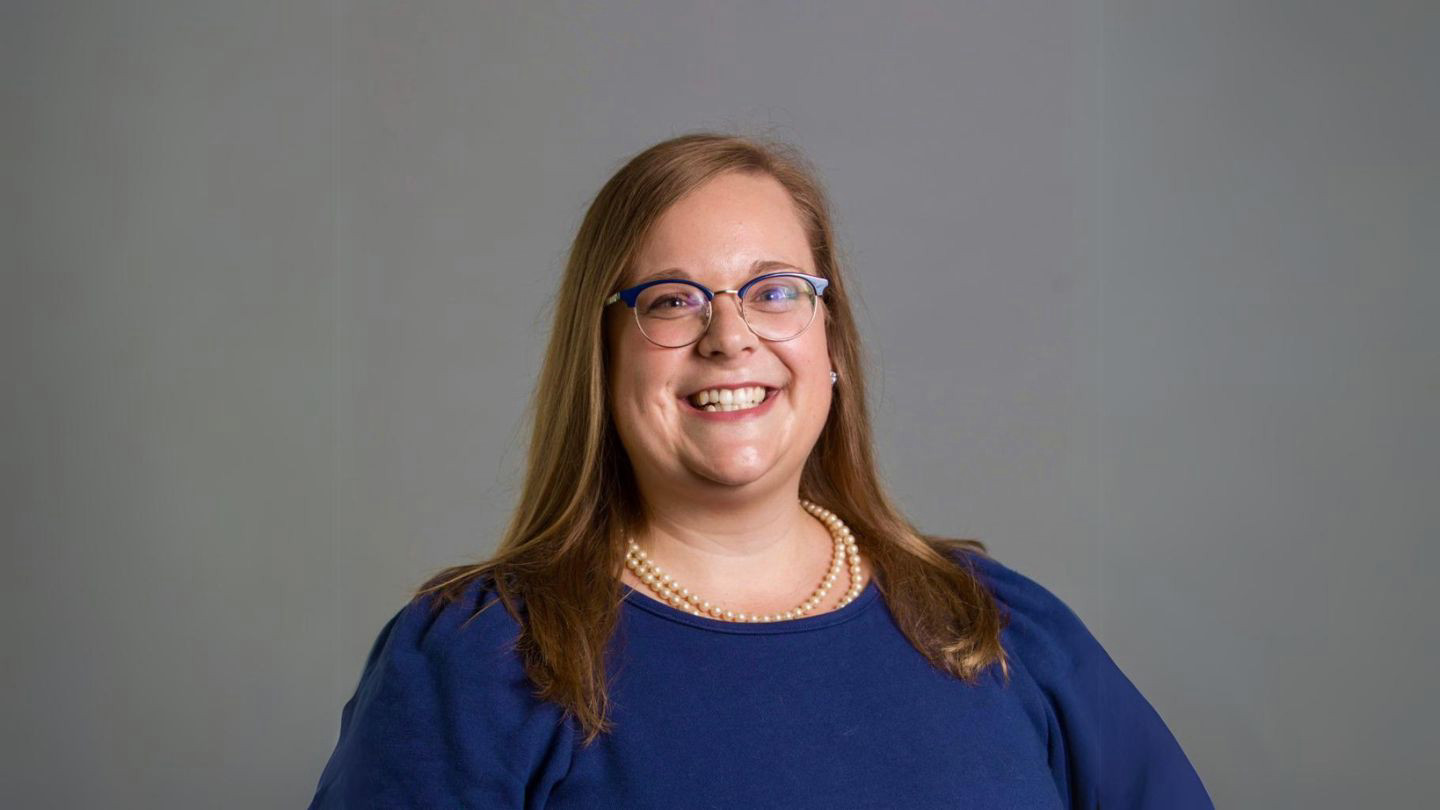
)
(716, 235)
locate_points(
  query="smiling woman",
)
(701, 419)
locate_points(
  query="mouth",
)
(726, 400)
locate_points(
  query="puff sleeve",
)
(1108, 747)
(443, 716)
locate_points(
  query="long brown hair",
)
(562, 553)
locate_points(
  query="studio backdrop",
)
(1149, 290)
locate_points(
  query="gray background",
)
(1149, 289)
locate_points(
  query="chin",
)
(734, 480)
(733, 475)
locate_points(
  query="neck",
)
(761, 551)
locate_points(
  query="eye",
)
(777, 295)
(670, 301)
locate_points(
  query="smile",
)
(729, 404)
(728, 399)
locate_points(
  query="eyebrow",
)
(760, 266)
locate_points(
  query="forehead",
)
(757, 268)
(729, 229)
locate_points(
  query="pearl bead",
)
(846, 552)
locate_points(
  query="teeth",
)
(728, 399)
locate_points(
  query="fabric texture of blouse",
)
(835, 710)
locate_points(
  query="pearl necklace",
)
(670, 591)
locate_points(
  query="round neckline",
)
(650, 604)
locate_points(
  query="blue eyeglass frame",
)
(632, 295)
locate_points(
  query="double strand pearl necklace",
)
(671, 591)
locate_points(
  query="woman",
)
(707, 598)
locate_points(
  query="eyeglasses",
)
(676, 312)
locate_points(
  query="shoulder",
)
(427, 643)
(1037, 619)
(459, 652)
(1005, 581)
(443, 704)
(1042, 634)
(473, 627)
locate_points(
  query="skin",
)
(722, 498)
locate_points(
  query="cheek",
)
(630, 422)
(625, 400)
(813, 361)
(817, 371)
(638, 397)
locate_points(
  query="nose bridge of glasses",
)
(739, 308)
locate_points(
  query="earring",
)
(834, 377)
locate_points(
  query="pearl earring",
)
(834, 377)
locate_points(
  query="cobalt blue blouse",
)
(830, 711)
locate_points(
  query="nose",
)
(728, 333)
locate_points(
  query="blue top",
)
(829, 711)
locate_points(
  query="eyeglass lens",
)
(776, 308)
